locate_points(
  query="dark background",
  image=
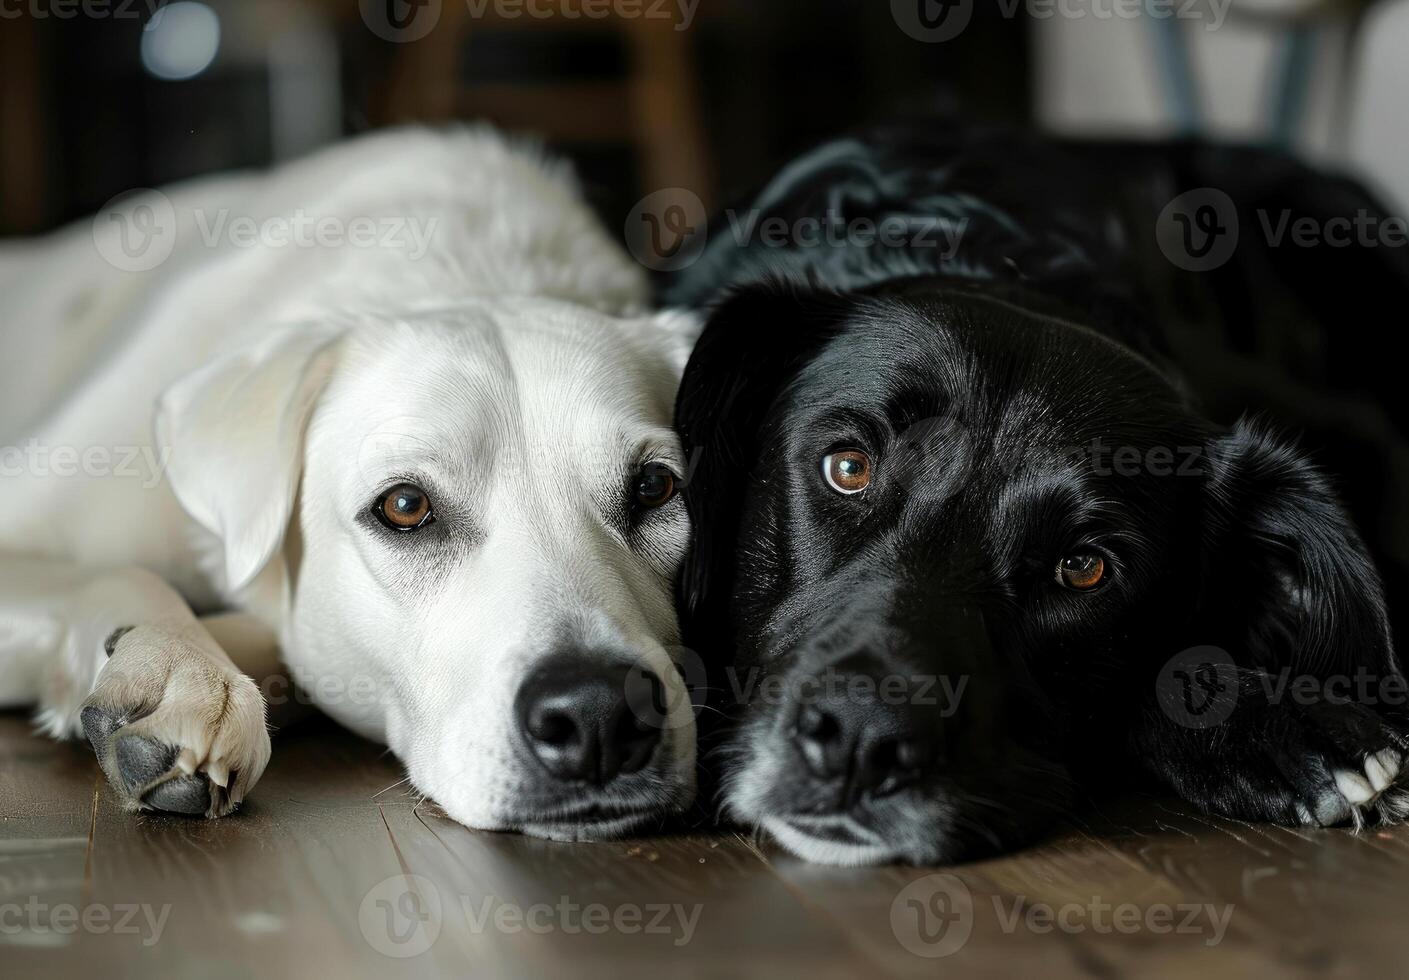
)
(636, 103)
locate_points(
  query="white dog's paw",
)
(174, 729)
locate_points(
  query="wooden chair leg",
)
(665, 101)
(425, 76)
(22, 168)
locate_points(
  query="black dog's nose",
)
(589, 722)
(868, 743)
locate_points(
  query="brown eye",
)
(654, 486)
(404, 508)
(847, 471)
(1082, 572)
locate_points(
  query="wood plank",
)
(1295, 902)
(336, 867)
(294, 882)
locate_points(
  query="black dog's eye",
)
(1082, 571)
(847, 471)
(653, 486)
(404, 508)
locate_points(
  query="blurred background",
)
(98, 96)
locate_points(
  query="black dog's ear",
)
(1287, 576)
(751, 347)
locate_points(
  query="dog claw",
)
(1381, 768)
(1354, 787)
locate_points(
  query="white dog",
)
(399, 405)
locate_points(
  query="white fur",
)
(512, 366)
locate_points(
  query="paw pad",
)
(141, 761)
(183, 794)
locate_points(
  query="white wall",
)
(1102, 75)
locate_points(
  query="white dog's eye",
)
(404, 508)
(654, 486)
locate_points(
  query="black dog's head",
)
(952, 541)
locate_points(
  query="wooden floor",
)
(333, 870)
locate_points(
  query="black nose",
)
(867, 742)
(589, 722)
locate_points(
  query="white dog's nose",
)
(589, 722)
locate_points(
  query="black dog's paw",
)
(1353, 767)
(1324, 764)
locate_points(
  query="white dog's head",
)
(468, 518)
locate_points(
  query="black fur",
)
(997, 391)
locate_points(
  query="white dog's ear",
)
(234, 430)
(682, 328)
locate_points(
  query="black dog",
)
(982, 524)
